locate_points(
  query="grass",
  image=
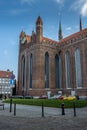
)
(50, 102)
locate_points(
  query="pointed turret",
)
(39, 29)
(39, 21)
(60, 31)
(22, 34)
(33, 37)
(80, 23)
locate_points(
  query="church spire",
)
(60, 31)
(80, 23)
(39, 29)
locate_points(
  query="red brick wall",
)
(38, 50)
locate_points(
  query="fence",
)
(41, 111)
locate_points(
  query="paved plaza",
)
(30, 118)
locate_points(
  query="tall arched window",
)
(23, 72)
(56, 71)
(46, 70)
(78, 68)
(60, 72)
(31, 65)
(67, 61)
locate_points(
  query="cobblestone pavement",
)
(30, 118)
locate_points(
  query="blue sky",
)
(18, 15)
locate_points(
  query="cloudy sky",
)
(18, 15)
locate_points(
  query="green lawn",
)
(50, 102)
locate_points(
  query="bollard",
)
(14, 109)
(11, 105)
(74, 109)
(63, 109)
(42, 110)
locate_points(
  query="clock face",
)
(23, 40)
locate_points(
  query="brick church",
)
(49, 66)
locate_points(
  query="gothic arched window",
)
(60, 72)
(46, 70)
(78, 68)
(67, 61)
(23, 72)
(31, 65)
(56, 71)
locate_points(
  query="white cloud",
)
(60, 1)
(14, 12)
(17, 11)
(60, 5)
(27, 1)
(84, 10)
(68, 28)
(80, 6)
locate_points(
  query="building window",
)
(67, 61)
(31, 65)
(56, 71)
(78, 68)
(60, 72)
(23, 72)
(46, 70)
(0, 80)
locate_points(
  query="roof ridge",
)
(50, 40)
(73, 35)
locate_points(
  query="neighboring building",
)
(46, 65)
(6, 84)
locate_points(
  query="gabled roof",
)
(5, 74)
(28, 38)
(44, 39)
(22, 34)
(80, 33)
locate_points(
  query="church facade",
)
(48, 66)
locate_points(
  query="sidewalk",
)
(36, 111)
(30, 118)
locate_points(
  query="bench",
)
(1, 104)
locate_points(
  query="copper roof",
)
(5, 74)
